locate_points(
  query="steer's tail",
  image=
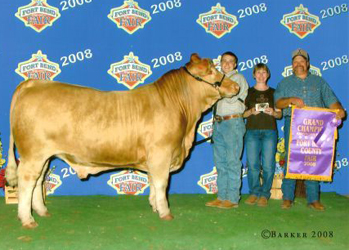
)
(11, 169)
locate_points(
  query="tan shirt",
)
(229, 106)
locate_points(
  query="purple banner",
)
(312, 143)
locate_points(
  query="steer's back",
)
(52, 118)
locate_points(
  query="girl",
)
(261, 136)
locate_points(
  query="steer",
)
(150, 128)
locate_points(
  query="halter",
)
(216, 85)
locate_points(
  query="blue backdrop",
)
(88, 42)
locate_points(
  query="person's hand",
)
(338, 108)
(269, 111)
(340, 114)
(254, 111)
(297, 101)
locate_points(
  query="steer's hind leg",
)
(28, 174)
(38, 199)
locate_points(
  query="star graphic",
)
(302, 10)
(131, 59)
(218, 9)
(39, 58)
(130, 4)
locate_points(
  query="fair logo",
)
(217, 22)
(300, 22)
(130, 71)
(206, 128)
(209, 182)
(38, 67)
(129, 182)
(52, 182)
(313, 70)
(38, 15)
(217, 63)
(129, 17)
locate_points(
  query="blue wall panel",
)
(84, 30)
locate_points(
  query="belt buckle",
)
(218, 119)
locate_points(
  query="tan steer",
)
(150, 128)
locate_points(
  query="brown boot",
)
(316, 205)
(228, 204)
(286, 204)
(215, 203)
(262, 202)
(251, 200)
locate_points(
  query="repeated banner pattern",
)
(124, 44)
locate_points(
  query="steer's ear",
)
(195, 58)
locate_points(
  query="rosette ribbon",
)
(326, 131)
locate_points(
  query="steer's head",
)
(205, 71)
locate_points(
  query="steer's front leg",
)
(161, 201)
(152, 199)
(159, 176)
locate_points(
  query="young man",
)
(303, 89)
(228, 133)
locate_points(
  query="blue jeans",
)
(312, 188)
(260, 152)
(227, 149)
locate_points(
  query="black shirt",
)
(262, 120)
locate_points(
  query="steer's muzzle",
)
(229, 88)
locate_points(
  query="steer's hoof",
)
(46, 214)
(167, 217)
(30, 225)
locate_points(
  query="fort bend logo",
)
(217, 22)
(129, 182)
(52, 182)
(217, 63)
(300, 22)
(38, 15)
(209, 182)
(129, 17)
(130, 71)
(206, 128)
(38, 67)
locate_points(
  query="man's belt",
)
(218, 118)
